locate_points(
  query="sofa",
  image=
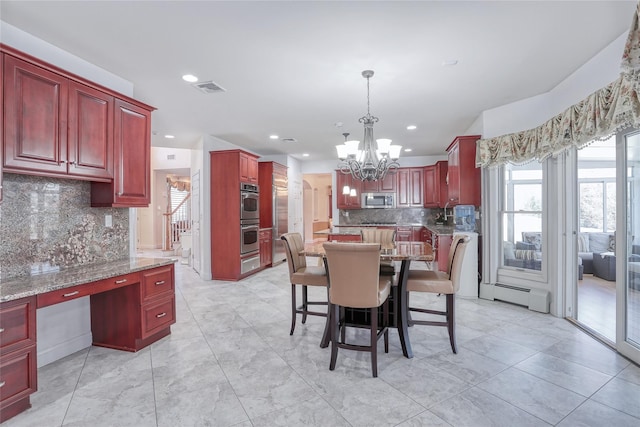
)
(527, 253)
(590, 243)
(524, 254)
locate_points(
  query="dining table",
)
(405, 253)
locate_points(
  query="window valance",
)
(179, 183)
(604, 112)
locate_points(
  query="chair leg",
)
(451, 321)
(335, 324)
(385, 317)
(293, 308)
(343, 329)
(304, 304)
(374, 341)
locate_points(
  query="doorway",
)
(596, 211)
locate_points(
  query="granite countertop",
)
(25, 286)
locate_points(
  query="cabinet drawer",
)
(73, 292)
(157, 281)
(17, 323)
(158, 315)
(17, 375)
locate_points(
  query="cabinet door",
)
(132, 146)
(403, 199)
(35, 118)
(248, 168)
(453, 175)
(404, 234)
(409, 187)
(90, 139)
(388, 183)
(430, 187)
(347, 201)
(253, 170)
(370, 186)
(417, 186)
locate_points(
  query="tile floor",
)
(231, 362)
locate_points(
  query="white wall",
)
(63, 329)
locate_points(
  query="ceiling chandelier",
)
(373, 159)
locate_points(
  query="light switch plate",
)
(108, 221)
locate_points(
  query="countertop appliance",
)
(280, 217)
(378, 200)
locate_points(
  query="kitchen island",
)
(132, 305)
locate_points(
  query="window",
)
(521, 216)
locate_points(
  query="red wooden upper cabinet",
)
(387, 184)
(410, 187)
(346, 201)
(463, 178)
(435, 185)
(90, 136)
(35, 118)
(54, 125)
(248, 168)
(132, 165)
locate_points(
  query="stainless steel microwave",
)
(378, 200)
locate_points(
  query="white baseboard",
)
(64, 349)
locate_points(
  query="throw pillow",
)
(583, 242)
(508, 251)
(612, 243)
(534, 238)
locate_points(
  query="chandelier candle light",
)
(372, 160)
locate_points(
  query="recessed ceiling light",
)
(189, 78)
(449, 62)
(305, 155)
(273, 137)
(169, 136)
(408, 149)
(412, 127)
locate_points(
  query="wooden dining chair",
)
(354, 282)
(386, 238)
(438, 282)
(303, 275)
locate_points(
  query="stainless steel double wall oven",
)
(249, 227)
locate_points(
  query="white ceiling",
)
(293, 68)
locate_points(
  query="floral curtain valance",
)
(179, 183)
(604, 112)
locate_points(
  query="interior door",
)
(628, 245)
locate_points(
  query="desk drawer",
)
(79, 291)
(157, 282)
(17, 324)
(158, 315)
(17, 375)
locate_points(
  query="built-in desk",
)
(132, 306)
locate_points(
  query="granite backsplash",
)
(388, 216)
(48, 223)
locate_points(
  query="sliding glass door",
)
(628, 245)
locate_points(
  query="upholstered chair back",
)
(354, 279)
(460, 248)
(383, 236)
(293, 247)
(452, 250)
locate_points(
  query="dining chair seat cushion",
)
(310, 275)
(429, 281)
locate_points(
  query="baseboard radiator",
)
(534, 299)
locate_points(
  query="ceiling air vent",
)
(289, 140)
(208, 87)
